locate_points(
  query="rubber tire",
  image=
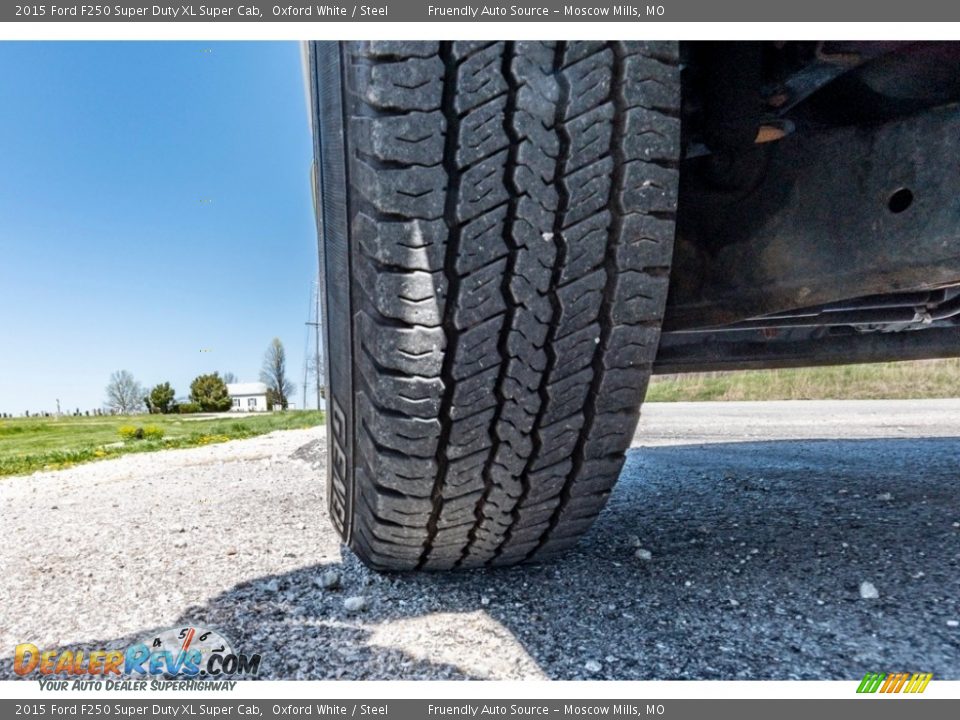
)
(497, 225)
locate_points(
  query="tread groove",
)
(451, 139)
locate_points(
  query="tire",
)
(497, 225)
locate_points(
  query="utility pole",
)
(305, 371)
(316, 339)
(315, 324)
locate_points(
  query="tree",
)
(161, 398)
(274, 375)
(124, 393)
(229, 377)
(210, 393)
(272, 399)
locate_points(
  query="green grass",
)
(29, 444)
(890, 381)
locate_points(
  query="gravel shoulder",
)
(736, 545)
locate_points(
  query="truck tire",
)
(496, 224)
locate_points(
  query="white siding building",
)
(248, 397)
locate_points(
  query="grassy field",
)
(29, 444)
(891, 381)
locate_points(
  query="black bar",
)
(577, 11)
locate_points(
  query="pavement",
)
(813, 540)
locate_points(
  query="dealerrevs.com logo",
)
(191, 653)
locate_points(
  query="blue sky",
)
(154, 203)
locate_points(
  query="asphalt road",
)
(736, 545)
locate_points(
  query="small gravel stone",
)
(644, 554)
(356, 604)
(330, 580)
(592, 666)
(272, 586)
(885, 496)
(953, 623)
(868, 591)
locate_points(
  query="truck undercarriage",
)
(818, 215)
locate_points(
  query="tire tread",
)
(512, 212)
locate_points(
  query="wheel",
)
(496, 230)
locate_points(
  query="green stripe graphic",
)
(871, 682)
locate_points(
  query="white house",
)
(248, 397)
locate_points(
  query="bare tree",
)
(274, 374)
(124, 394)
(229, 377)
